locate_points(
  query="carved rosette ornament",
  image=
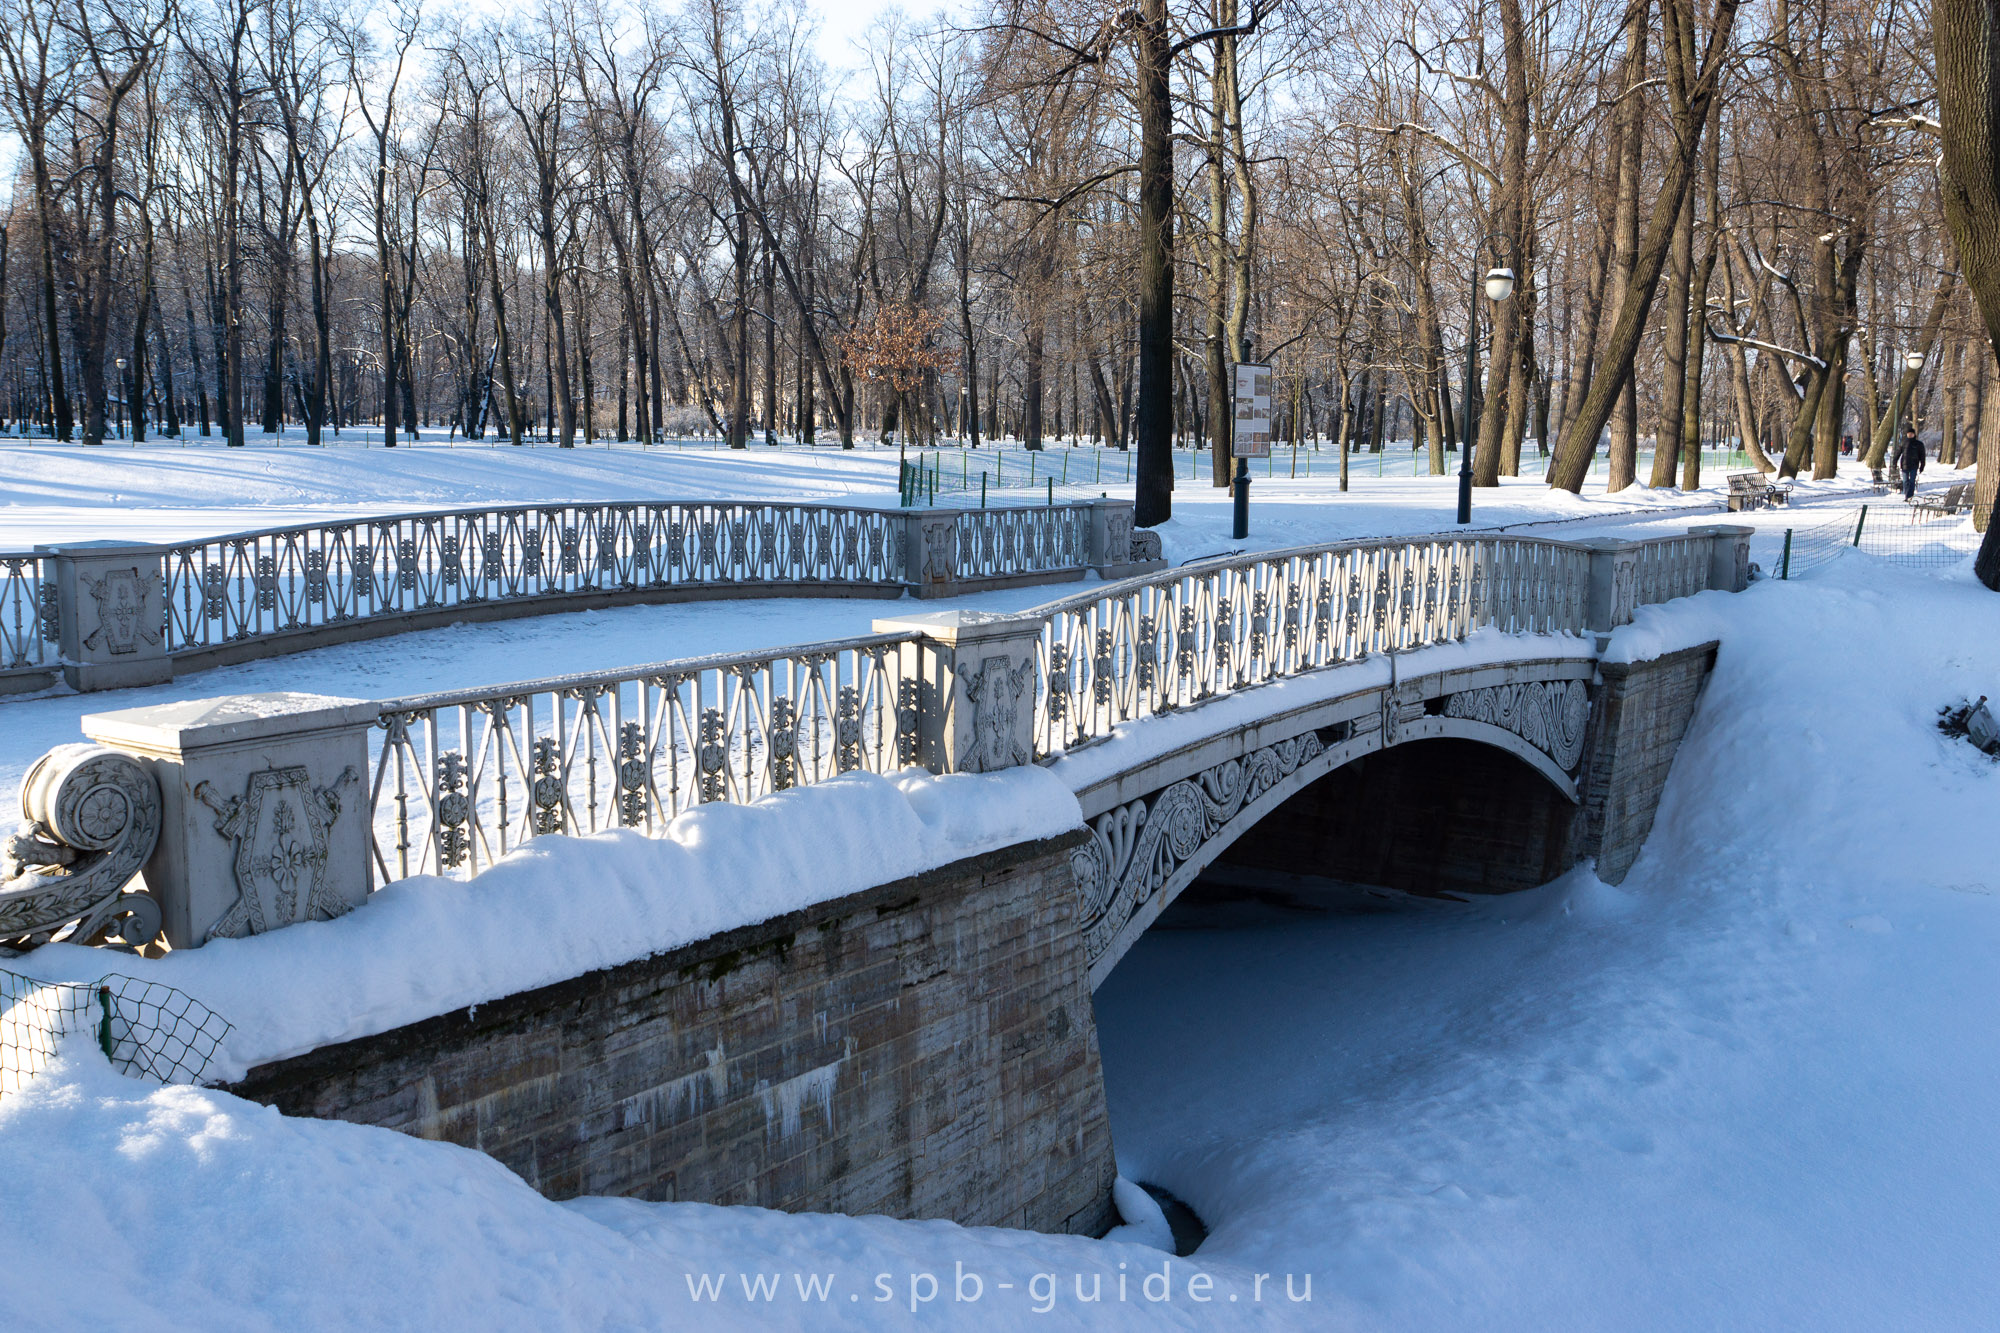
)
(1136, 848)
(1549, 715)
(92, 818)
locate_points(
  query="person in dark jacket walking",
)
(1910, 459)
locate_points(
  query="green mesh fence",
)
(145, 1029)
(1902, 535)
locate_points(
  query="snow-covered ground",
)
(158, 493)
(1753, 1087)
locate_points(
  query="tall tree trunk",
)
(1155, 427)
(1692, 72)
(1505, 409)
(1906, 379)
(1624, 443)
(1667, 442)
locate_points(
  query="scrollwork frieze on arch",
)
(1550, 715)
(1136, 848)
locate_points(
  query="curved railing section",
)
(459, 779)
(1157, 644)
(250, 585)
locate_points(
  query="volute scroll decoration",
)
(91, 820)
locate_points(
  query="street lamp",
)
(1913, 361)
(123, 392)
(1499, 284)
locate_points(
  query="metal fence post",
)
(104, 1023)
(1785, 563)
(1858, 522)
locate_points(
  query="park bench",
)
(1950, 501)
(1748, 490)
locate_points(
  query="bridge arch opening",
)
(1434, 817)
(1464, 808)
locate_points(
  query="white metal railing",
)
(1671, 567)
(459, 779)
(454, 781)
(994, 543)
(28, 621)
(1164, 642)
(254, 584)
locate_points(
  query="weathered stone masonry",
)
(923, 1049)
(1641, 712)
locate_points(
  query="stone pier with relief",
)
(265, 816)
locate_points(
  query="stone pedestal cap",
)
(960, 627)
(976, 687)
(198, 724)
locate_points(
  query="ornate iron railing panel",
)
(459, 779)
(28, 617)
(993, 543)
(1672, 567)
(252, 584)
(1166, 642)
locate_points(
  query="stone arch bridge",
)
(1428, 715)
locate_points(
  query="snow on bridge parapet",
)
(451, 784)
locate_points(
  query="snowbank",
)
(135, 1208)
(1754, 1087)
(561, 906)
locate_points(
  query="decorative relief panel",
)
(127, 614)
(1118, 534)
(1137, 847)
(1549, 715)
(279, 826)
(1002, 695)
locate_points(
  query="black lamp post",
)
(1499, 284)
(123, 394)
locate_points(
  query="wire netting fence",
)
(145, 1029)
(1903, 535)
(1000, 474)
